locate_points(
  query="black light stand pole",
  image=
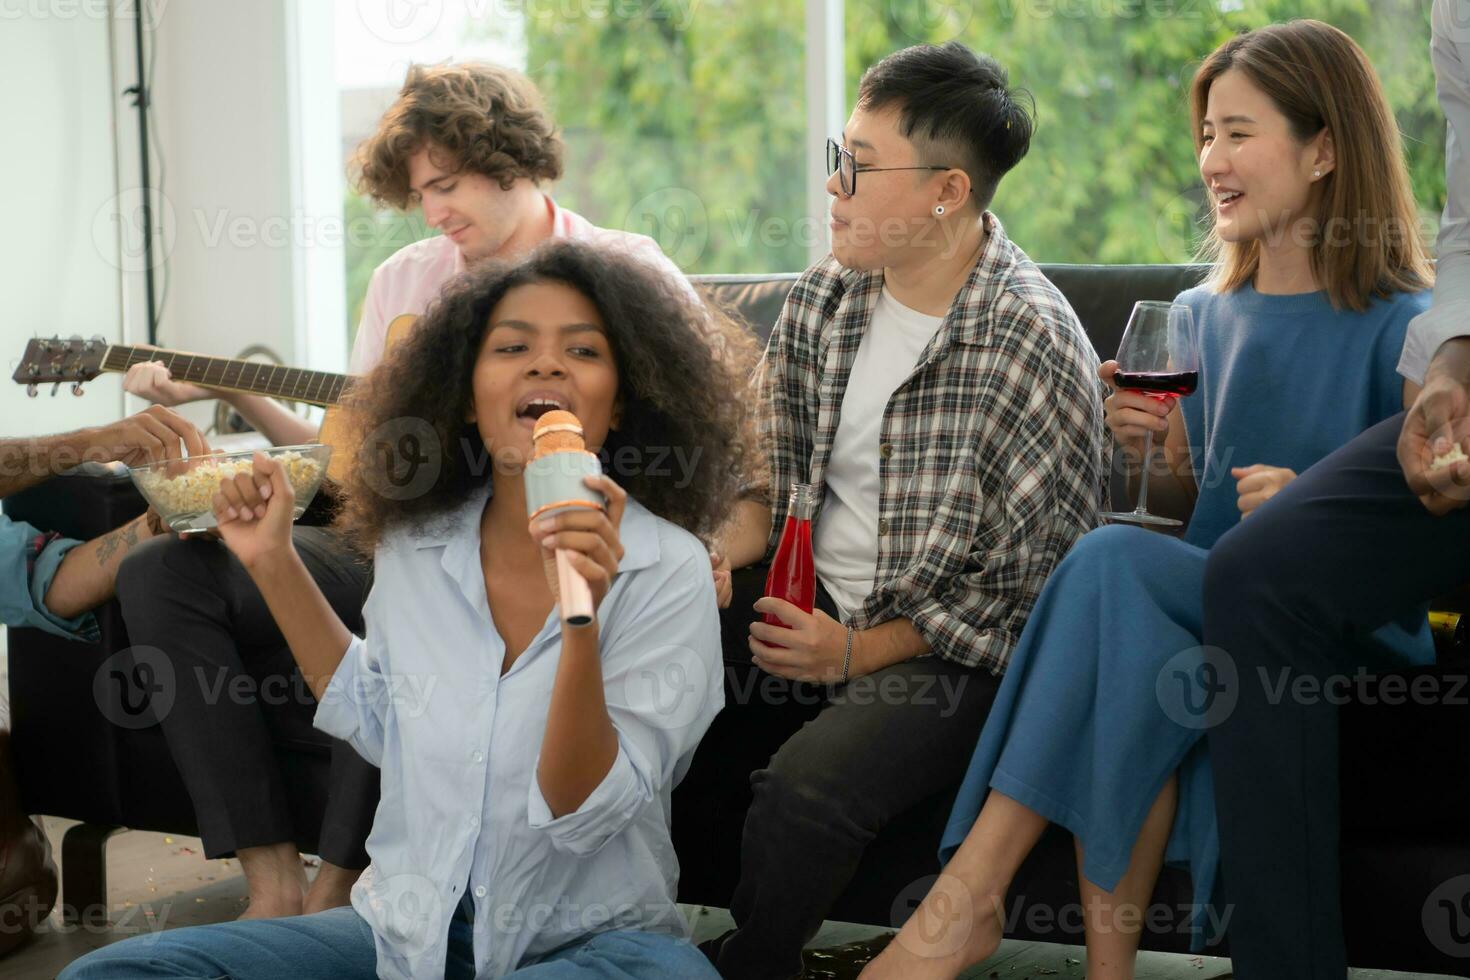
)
(141, 96)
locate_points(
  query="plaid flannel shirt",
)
(35, 546)
(992, 451)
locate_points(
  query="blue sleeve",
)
(29, 560)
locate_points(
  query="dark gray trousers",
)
(237, 693)
(876, 747)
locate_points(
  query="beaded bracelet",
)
(847, 657)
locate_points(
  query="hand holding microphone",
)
(576, 511)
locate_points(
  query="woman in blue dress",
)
(1099, 725)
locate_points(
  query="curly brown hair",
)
(483, 118)
(683, 372)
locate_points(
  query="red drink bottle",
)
(793, 574)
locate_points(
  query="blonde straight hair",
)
(1365, 234)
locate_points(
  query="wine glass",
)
(1159, 356)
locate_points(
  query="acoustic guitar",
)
(75, 362)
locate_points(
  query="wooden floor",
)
(160, 882)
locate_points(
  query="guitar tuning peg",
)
(54, 388)
(31, 391)
(76, 389)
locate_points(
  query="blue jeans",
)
(338, 945)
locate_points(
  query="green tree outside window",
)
(687, 122)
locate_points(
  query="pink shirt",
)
(412, 276)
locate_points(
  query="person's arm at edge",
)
(29, 560)
(746, 536)
(27, 462)
(1449, 315)
(157, 433)
(87, 576)
(1439, 410)
(269, 417)
(1441, 394)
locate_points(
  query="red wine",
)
(1174, 383)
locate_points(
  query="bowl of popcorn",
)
(182, 490)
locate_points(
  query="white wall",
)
(253, 247)
(249, 211)
(60, 272)
(318, 176)
(221, 118)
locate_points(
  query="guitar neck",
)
(251, 377)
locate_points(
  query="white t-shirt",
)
(845, 539)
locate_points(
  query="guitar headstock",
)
(52, 360)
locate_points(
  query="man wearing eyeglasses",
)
(941, 395)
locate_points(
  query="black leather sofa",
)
(1406, 769)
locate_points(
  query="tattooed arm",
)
(87, 574)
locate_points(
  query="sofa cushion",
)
(1102, 295)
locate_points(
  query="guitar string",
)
(296, 385)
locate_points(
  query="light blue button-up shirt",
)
(25, 577)
(458, 744)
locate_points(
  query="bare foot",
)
(272, 905)
(331, 889)
(275, 879)
(950, 931)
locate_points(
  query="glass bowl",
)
(182, 491)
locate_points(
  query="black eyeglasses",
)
(840, 162)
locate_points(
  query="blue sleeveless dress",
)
(1108, 691)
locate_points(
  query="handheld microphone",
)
(556, 482)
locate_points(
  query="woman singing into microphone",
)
(527, 764)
